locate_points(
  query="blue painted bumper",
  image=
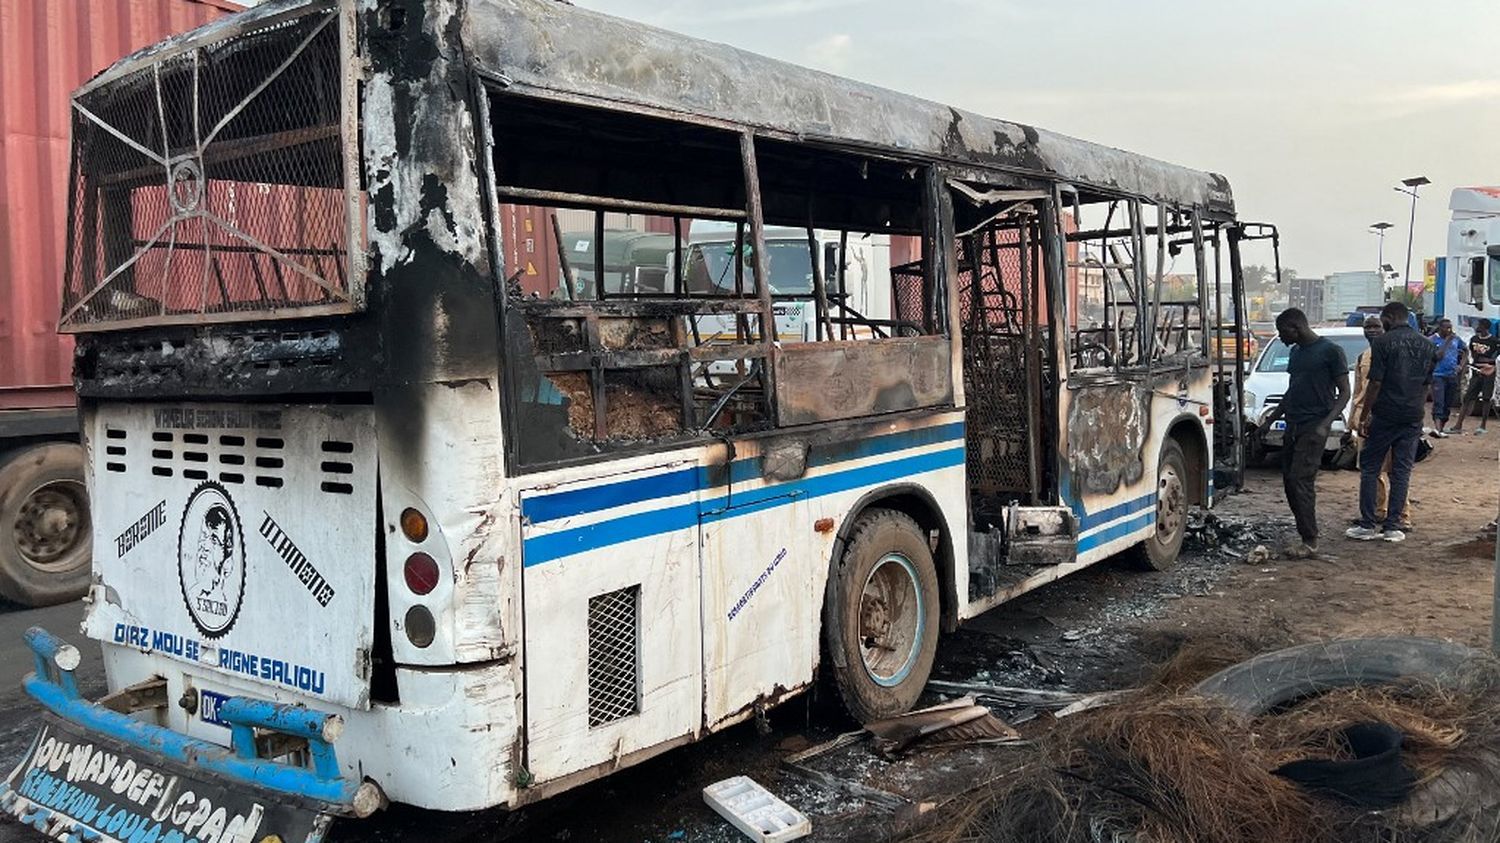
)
(55, 688)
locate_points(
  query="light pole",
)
(1378, 229)
(1411, 190)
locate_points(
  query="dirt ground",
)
(1105, 628)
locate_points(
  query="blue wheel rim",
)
(893, 618)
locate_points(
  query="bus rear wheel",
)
(1159, 552)
(46, 540)
(881, 616)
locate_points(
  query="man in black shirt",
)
(1317, 390)
(1390, 420)
(1483, 348)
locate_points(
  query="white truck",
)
(1467, 286)
(865, 288)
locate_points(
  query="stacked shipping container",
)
(48, 48)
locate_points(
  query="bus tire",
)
(1159, 552)
(46, 537)
(881, 616)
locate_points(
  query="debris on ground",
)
(960, 721)
(756, 811)
(1166, 764)
(1007, 696)
(1208, 531)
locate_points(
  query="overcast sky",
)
(1314, 109)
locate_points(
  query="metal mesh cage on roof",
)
(209, 185)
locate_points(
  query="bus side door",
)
(613, 658)
(760, 624)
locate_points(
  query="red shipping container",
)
(47, 49)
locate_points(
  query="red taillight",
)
(421, 573)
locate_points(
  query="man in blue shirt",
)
(1390, 419)
(1451, 355)
(1317, 390)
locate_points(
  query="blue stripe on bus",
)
(542, 508)
(1091, 520)
(545, 548)
(1118, 531)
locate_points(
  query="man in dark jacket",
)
(1317, 390)
(1390, 419)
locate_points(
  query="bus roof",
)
(552, 48)
(546, 47)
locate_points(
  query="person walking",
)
(1483, 349)
(1451, 356)
(1390, 420)
(1317, 390)
(1374, 328)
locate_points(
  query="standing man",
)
(1451, 356)
(1374, 328)
(1390, 420)
(1318, 389)
(1483, 348)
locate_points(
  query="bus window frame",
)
(495, 195)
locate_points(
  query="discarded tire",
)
(1460, 799)
(1273, 680)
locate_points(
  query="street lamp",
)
(1378, 229)
(1411, 190)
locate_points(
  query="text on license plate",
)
(208, 707)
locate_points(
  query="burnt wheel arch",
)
(918, 503)
(1189, 433)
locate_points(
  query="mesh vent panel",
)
(614, 679)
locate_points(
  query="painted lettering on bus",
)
(158, 640)
(192, 418)
(755, 586)
(143, 527)
(270, 669)
(296, 560)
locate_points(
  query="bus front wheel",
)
(881, 616)
(1159, 552)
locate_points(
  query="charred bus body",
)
(393, 478)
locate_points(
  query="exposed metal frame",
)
(350, 300)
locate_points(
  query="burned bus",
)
(383, 512)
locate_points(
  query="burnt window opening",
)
(658, 273)
(633, 308)
(1140, 293)
(1176, 287)
(1007, 292)
(1105, 324)
(844, 233)
(210, 184)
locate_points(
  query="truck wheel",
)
(1159, 552)
(881, 616)
(46, 537)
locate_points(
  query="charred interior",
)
(662, 280)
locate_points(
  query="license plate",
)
(1278, 425)
(208, 707)
(74, 785)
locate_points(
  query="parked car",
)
(1268, 380)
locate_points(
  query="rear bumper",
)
(54, 687)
